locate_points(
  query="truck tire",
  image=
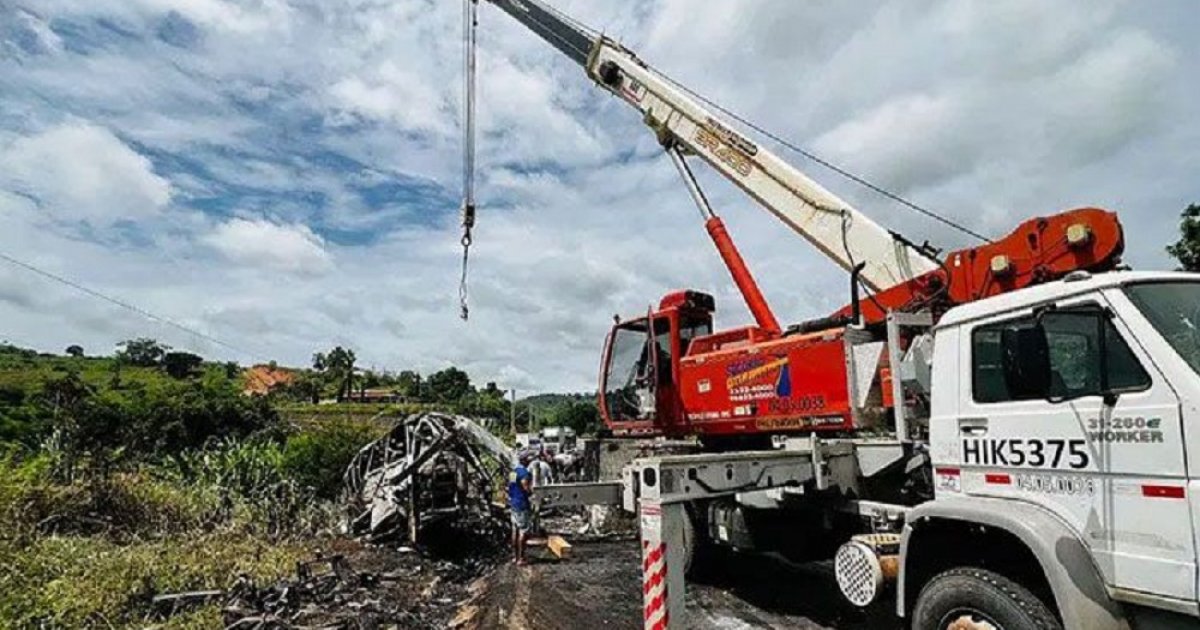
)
(691, 546)
(969, 598)
(701, 556)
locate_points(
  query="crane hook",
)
(468, 222)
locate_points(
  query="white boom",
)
(842, 233)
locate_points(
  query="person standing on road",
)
(520, 487)
(542, 472)
(541, 475)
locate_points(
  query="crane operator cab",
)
(640, 373)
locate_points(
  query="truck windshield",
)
(1173, 308)
(624, 363)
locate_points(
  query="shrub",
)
(145, 420)
(318, 456)
(76, 582)
(89, 546)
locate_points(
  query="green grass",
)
(92, 551)
(118, 483)
(19, 371)
(86, 581)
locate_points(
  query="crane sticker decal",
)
(732, 157)
(633, 90)
(758, 378)
(1125, 430)
(731, 137)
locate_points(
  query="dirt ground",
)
(353, 585)
(600, 586)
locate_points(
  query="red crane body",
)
(759, 380)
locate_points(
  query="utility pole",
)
(512, 413)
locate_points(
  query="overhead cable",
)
(126, 305)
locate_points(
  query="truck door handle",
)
(975, 427)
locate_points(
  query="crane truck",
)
(1004, 437)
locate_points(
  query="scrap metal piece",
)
(429, 465)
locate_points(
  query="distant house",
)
(261, 380)
(380, 395)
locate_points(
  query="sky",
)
(283, 176)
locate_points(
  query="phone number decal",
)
(1027, 452)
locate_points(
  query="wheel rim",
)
(968, 619)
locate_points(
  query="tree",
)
(181, 364)
(483, 405)
(408, 385)
(142, 351)
(583, 417)
(306, 387)
(370, 379)
(338, 366)
(448, 385)
(1187, 249)
(74, 350)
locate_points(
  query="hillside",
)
(35, 388)
(575, 410)
(541, 402)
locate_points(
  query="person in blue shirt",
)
(520, 487)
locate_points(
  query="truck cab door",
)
(629, 377)
(1065, 410)
(667, 344)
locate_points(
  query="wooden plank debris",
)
(558, 546)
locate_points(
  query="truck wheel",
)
(700, 554)
(690, 545)
(968, 598)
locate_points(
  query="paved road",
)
(600, 586)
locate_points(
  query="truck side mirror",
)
(1025, 359)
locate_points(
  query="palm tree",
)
(337, 365)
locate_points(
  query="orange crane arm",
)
(1039, 250)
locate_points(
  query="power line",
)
(136, 309)
(125, 305)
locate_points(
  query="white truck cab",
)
(1063, 421)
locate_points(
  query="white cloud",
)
(24, 34)
(78, 171)
(270, 247)
(991, 112)
(222, 14)
(397, 95)
(909, 141)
